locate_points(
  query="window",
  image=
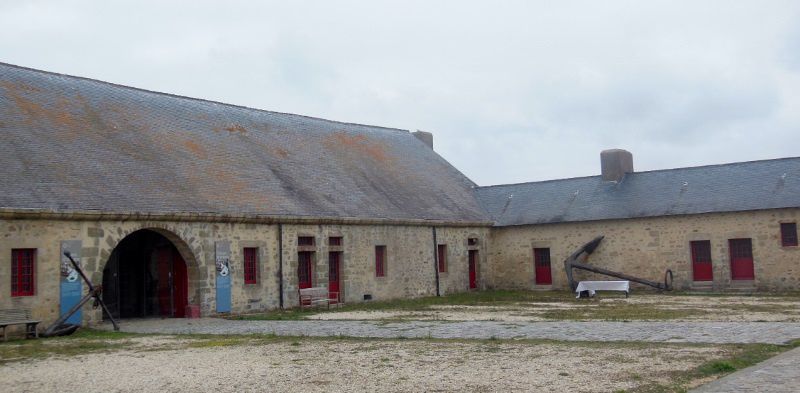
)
(380, 261)
(250, 265)
(335, 241)
(789, 234)
(305, 241)
(472, 241)
(22, 270)
(442, 255)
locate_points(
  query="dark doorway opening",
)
(145, 276)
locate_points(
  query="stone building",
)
(173, 202)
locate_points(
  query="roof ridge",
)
(648, 171)
(197, 99)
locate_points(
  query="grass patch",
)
(739, 357)
(81, 342)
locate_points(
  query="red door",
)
(541, 258)
(164, 287)
(473, 270)
(304, 269)
(334, 270)
(701, 261)
(741, 259)
(180, 287)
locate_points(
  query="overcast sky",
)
(512, 91)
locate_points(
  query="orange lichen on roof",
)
(232, 128)
(360, 144)
(195, 148)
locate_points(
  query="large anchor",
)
(576, 261)
(59, 328)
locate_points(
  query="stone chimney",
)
(425, 137)
(615, 163)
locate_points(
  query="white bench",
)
(10, 317)
(317, 296)
(593, 286)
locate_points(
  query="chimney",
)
(425, 137)
(615, 163)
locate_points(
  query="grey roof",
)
(76, 144)
(754, 185)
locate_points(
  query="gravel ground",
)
(356, 366)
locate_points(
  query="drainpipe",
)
(280, 263)
(436, 260)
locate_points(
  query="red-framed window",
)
(250, 265)
(335, 241)
(441, 250)
(23, 261)
(789, 234)
(380, 261)
(305, 241)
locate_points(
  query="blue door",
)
(71, 285)
(223, 269)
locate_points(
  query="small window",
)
(335, 241)
(442, 255)
(380, 261)
(789, 234)
(250, 265)
(472, 241)
(22, 271)
(305, 241)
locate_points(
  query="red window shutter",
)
(442, 256)
(380, 261)
(250, 265)
(789, 234)
(22, 272)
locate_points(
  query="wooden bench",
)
(18, 316)
(317, 296)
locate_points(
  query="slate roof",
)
(76, 144)
(741, 186)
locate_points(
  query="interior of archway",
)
(145, 276)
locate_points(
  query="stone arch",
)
(187, 251)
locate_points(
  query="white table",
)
(593, 286)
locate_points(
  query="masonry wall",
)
(410, 260)
(647, 247)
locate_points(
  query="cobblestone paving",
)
(693, 332)
(779, 374)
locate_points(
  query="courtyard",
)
(475, 342)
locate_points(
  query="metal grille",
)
(333, 266)
(701, 251)
(250, 265)
(380, 261)
(304, 268)
(741, 249)
(22, 268)
(335, 241)
(442, 255)
(305, 241)
(541, 257)
(789, 234)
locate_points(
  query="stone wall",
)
(646, 247)
(410, 259)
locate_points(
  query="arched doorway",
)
(145, 276)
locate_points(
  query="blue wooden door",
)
(223, 268)
(71, 285)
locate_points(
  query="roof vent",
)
(425, 137)
(615, 163)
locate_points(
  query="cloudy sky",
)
(513, 91)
